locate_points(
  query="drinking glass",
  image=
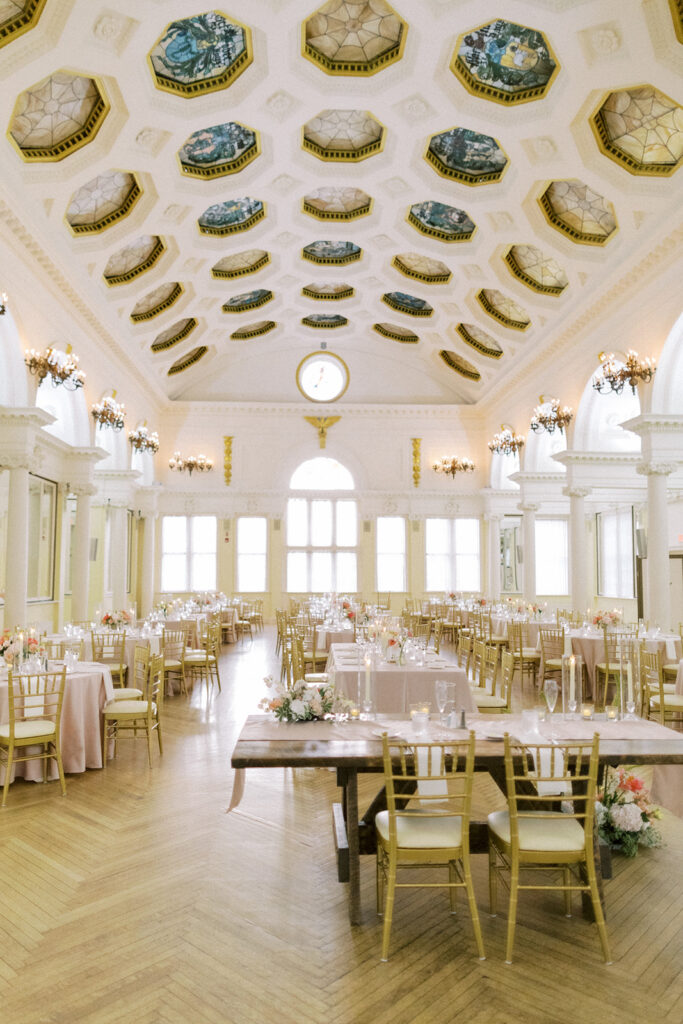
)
(550, 690)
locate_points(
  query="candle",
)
(368, 681)
(629, 682)
(587, 711)
(572, 679)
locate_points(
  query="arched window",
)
(502, 467)
(322, 532)
(70, 412)
(598, 418)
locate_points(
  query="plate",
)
(391, 735)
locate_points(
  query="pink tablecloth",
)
(85, 694)
(326, 637)
(592, 650)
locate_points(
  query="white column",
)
(493, 556)
(578, 548)
(529, 510)
(80, 581)
(16, 584)
(658, 607)
(147, 581)
(119, 556)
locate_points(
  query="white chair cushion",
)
(531, 654)
(199, 659)
(316, 677)
(546, 833)
(671, 700)
(417, 832)
(36, 727)
(487, 700)
(127, 693)
(138, 708)
(171, 665)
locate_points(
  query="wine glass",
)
(550, 690)
(441, 696)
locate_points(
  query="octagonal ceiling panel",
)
(343, 135)
(641, 129)
(133, 259)
(337, 203)
(459, 365)
(231, 216)
(536, 270)
(401, 334)
(504, 62)
(156, 301)
(328, 291)
(422, 268)
(18, 16)
(240, 263)
(503, 309)
(247, 300)
(324, 321)
(254, 330)
(330, 252)
(447, 223)
(188, 360)
(350, 38)
(57, 116)
(409, 304)
(219, 150)
(102, 201)
(173, 334)
(578, 211)
(466, 156)
(200, 54)
(479, 340)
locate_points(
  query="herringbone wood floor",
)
(136, 898)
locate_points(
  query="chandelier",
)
(453, 465)
(144, 441)
(613, 374)
(506, 442)
(60, 367)
(551, 416)
(192, 462)
(109, 413)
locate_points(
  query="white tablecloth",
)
(326, 636)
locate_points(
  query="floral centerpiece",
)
(347, 611)
(396, 641)
(625, 814)
(17, 646)
(302, 702)
(612, 618)
(481, 601)
(533, 609)
(116, 619)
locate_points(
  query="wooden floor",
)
(137, 899)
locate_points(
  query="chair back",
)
(651, 680)
(141, 660)
(109, 648)
(154, 690)
(173, 644)
(507, 671)
(552, 642)
(35, 697)
(478, 648)
(464, 651)
(437, 634)
(489, 669)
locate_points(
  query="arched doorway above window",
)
(321, 474)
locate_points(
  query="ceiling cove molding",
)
(210, 410)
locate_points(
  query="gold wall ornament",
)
(322, 424)
(227, 460)
(416, 443)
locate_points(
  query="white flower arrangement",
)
(624, 813)
(303, 702)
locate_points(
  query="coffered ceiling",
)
(429, 189)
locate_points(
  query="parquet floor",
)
(137, 899)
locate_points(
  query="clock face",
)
(322, 377)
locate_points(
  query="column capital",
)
(492, 517)
(654, 468)
(576, 492)
(83, 490)
(528, 506)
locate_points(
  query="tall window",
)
(452, 560)
(322, 536)
(552, 556)
(42, 503)
(252, 537)
(615, 553)
(391, 554)
(188, 553)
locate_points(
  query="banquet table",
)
(355, 747)
(395, 687)
(195, 623)
(133, 639)
(86, 692)
(325, 636)
(590, 645)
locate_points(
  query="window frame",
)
(309, 549)
(380, 585)
(189, 553)
(51, 546)
(452, 555)
(554, 593)
(248, 590)
(600, 553)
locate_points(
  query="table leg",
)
(351, 815)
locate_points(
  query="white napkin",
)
(671, 650)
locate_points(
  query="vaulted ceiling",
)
(428, 189)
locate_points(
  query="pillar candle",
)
(572, 678)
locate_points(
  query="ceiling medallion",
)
(133, 259)
(459, 365)
(186, 361)
(332, 292)
(102, 201)
(450, 465)
(503, 309)
(201, 54)
(324, 320)
(231, 216)
(504, 62)
(223, 149)
(447, 223)
(322, 377)
(21, 16)
(550, 416)
(172, 335)
(507, 442)
(253, 330)
(422, 268)
(247, 300)
(641, 129)
(537, 271)
(479, 340)
(400, 334)
(330, 252)
(466, 156)
(240, 263)
(350, 38)
(575, 209)
(57, 116)
(343, 135)
(409, 304)
(337, 203)
(155, 302)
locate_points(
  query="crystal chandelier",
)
(192, 462)
(453, 465)
(506, 442)
(613, 374)
(109, 413)
(60, 367)
(144, 441)
(551, 416)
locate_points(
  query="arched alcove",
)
(143, 463)
(13, 375)
(539, 451)
(502, 468)
(69, 409)
(667, 386)
(321, 474)
(598, 420)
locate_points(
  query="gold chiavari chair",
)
(141, 659)
(526, 658)
(137, 717)
(464, 652)
(665, 707)
(496, 694)
(173, 647)
(203, 665)
(31, 731)
(109, 648)
(552, 649)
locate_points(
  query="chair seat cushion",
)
(671, 669)
(200, 658)
(671, 700)
(135, 708)
(316, 677)
(171, 665)
(487, 700)
(614, 666)
(127, 693)
(22, 730)
(528, 654)
(546, 833)
(415, 831)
